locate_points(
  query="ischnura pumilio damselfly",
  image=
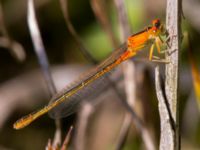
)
(134, 44)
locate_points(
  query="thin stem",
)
(130, 87)
(101, 14)
(83, 120)
(170, 123)
(43, 60)
(75, 35)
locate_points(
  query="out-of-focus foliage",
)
(196, 80)
(194, 68)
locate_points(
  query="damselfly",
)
(134, 44)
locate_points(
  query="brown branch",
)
(130, 83)
(128, 71)
(167, 133)
(15, 48)
(99, 8)
(169, 139)
(123, 19)
(43, 60)
(67, 139)
(75, 35)
(83, 119)
(173, 25)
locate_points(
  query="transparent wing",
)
(89, 92)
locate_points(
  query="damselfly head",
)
(156, 23)
(158, 27)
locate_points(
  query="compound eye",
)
(157, 24)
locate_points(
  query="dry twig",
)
(130, 83)
(43, 60)
(83, 120)
(173, 25)
(170, 122)
(15, 48)
(101, 13)
(76, 37)
(67, 139)
(164, 113)
(128, 71)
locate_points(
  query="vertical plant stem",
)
(171, 72)
(130, 85)
(101, 12)
(167, 132)
(128, 71)
(83, 119)
(65, 144)
(73, 32)
(170, 133)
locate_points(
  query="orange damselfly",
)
(134, 43)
